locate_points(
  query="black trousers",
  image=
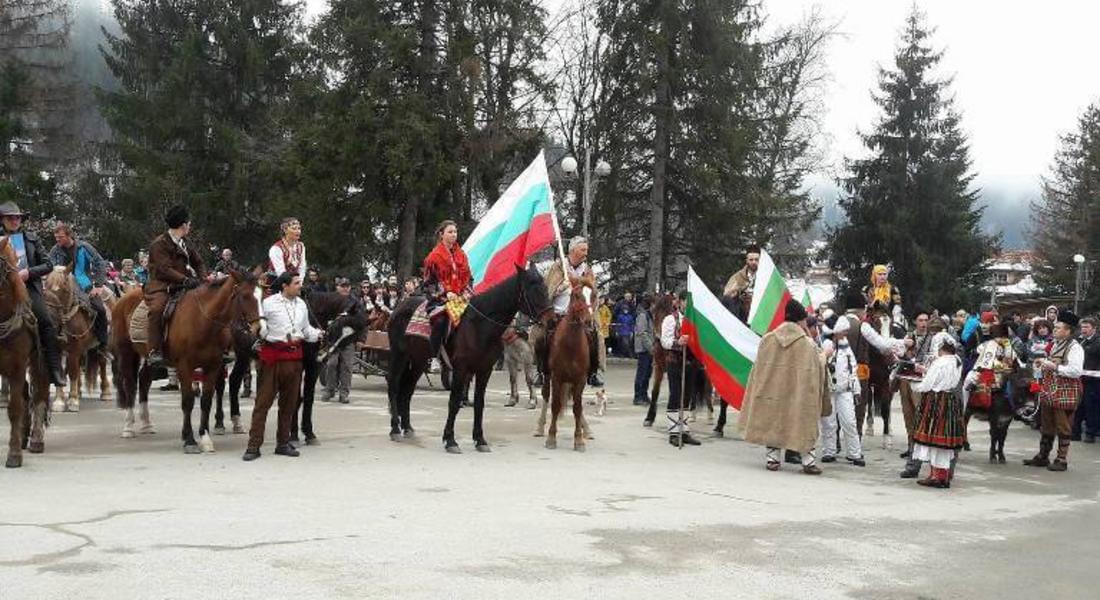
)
(100, 325)
(47, 332)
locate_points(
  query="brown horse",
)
(199, 334)
(95, 369)
(569, 368)
(18, 353)
(74, 326)
(662, 308)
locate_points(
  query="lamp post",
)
(569, 166)
(1080, 260)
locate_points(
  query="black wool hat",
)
(1067, 317)
(176, 216)
(794, 312)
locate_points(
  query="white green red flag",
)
(520, 224)
(807, 302)
(725, 345)
(769, 296)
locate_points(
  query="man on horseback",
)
(447, 282)
(559, 287)
(34, 264)
(90, 271)
(174, 267)
(737, 295)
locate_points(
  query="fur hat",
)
(1067, 317)
(794, 312)
(176, 216)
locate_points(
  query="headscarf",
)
(880, 293)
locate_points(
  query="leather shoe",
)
(811, 470)
(251, 455)
(857, 462)
(906, 454)
(1058, 465)
(828, 459)
(1037, 461)
(674, 439)
(792, 457)
(287, 450)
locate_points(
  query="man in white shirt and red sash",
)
(284, 331)
(1059, 392)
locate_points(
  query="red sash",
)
(273, 352)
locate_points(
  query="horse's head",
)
(344, 329)
(580, 302)
(61, 282)
(534, 298)
(246, 305)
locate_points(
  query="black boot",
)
(912, 469)
(50, 352)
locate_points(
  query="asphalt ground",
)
(363, 517)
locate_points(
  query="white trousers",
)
(844, 412)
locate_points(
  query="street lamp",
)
(1080, 260)
(569, 166)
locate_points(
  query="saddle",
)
(139, 319)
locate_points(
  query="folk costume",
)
(920, 354)
(33, 258)
(844, 386)
(737, 295)
(284, 331)
(446, 282)
(787, 393)
(1059, 393)
(286, 256)
(174, 267)
(1087, 417)
(681, 385)
(559, 290)
(940, 432)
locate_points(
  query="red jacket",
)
(448, 270)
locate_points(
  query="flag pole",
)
(683, 395)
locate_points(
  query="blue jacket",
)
(94, 271)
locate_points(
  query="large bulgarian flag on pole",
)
(726, 347)
(520, 224)
(769, 296)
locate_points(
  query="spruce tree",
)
(1064, 219)
(910, 203)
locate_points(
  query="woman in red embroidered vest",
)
(284, 330)
(447, 280)
(1059, 391)
(289, 253)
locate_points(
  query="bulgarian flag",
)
(725, 345)
(520, 224)
(807, 302)
(769, 296)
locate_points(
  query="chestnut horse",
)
(662, 308)
(18, 353)
(75, 327)
(473, 350)
(95, 362)
(199, 334)
(569, 368)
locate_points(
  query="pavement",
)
(363, 517)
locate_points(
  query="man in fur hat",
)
(1059, 392)
(787, 393)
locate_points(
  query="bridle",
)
(525, 307)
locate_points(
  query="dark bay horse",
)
(199, 335)
(569, 368)
(662, 308)
(473, 349)
(18, 353)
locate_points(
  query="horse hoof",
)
(409, 433)
(219, 430)
(36, 447)
(1000, 460)
(395, 436)
(127, 434)
(539, 434)
(191, 449)
(148, 429)
(206, 443)
(453, 449)
(484, 448)
(238, 429)
(551, 444)
(14, 462)
(73, 406)
(579, 447)
(58, 406)
(589, 436)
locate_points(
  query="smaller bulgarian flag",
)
(725, 345)
(517, 226)
(769, 296)
(807, 302)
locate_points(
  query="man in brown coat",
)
(787, 393)
(174, 266)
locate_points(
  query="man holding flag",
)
(559, 288)
(683, 372)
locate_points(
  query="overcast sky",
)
(1023, 72)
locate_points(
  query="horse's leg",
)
(529, 375)
(405, 401)
(187, 402)
(241, 368)
(395, 385)
(145, 381)
(210, 382)
(104, 382)
(655, 391)
(541, 429)
(481, 382)
(453, 404)
(580, 427)
(38, 396)
(513, 382)
(556, 395)
(966, 428)
(16, 407)
(72, 364)
(219, 399)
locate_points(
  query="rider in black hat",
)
(33, 266)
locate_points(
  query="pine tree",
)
(1064, 220)
(910, 203)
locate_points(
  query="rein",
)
(22, 316)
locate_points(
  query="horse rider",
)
(447, 281)
(560, 289)
(737, 295)
(33, 265)
(90, 271)
(175, 266)
(226, 264)
(289, 253)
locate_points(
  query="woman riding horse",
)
(447, 279)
